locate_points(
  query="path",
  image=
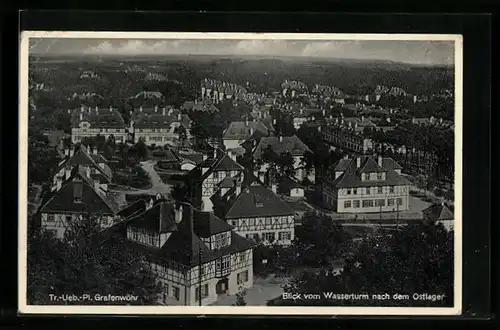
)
(157, 185)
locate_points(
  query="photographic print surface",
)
(190, 173)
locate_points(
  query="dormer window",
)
(379, 176)
(258, 204)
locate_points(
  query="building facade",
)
(89, 122)
(195, 255)
(366, 185)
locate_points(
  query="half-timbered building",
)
(75, 197)
(206, 177)
(84, 157)
(257, 213)
(195, 255)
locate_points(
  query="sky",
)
(413, 52)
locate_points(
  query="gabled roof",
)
(287, 184)
(133, 209)
(167, 155)
(241, 130)
(291, 144)
(62, 201)
(438, 212)
(159, 219)
(351, 178)
(258, 201)
(154, 118)
(342, 165)
(184, 246)
(100, 118)
(82, 157)
(226, 183)
(370, 166)
(207, 224)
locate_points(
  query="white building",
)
(92, 122)
(366, 184)
(257, 213)
(74, 197)
(194, 254)
(240, 131)
(160, 126)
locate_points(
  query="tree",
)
(87, 261)
(42, 158)
(141, 150)
(320, 240)
(180, 192)
(416, 259)
(240, 297)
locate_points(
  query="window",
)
(390, 202)
(380, 190)
(348, 191)
(269, 237)
(268, 221)
(366, 176)
(221, 240)
(347, 204)
(243, 257)
(242, 277)
(256, 237)
(356, 204)
(380, 202)
(53, 232)
(68, 219)
(50, 218)
(368, 191)
(176, 292)
(204, 292)
(284, 236)
(391, 189)
(165, 289)
(234, 223)
(354, 191)
(379, 176)
(399, 201)
(368, 203)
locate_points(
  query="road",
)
(157, 185)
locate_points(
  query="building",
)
(257, 213)
(240, 131)
(74, 197)
(85, 158)
(366, 184)
(282, 145)
(92, 122)
(346, 139)
(439, 213)
(290, 187)
(195, 254)
(205, 106)
(160, 126)
(206, 177)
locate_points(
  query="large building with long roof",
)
(88, 122)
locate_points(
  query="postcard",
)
(240, 173)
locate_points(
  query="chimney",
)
(69, 111)
(251, 131)
(130, 113)
(346, 157)
(301, 111)
(205, 157)
(274, 187)
(87, 172)
(379, 161)
(140, 108)
(164, 111)
(149, 204)
(238, 188)
(156, 108)
(324, 112)
(319, 128)
(59, 183)
(94, 150)
(179, 116)
(178, 214)
(68, 173)
(96, 184)
(232, 155)
(81, 117)
(246, 122)
(358, 162)
(281, 138)
(215, 153)
(71, 152)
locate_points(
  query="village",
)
(215, 205)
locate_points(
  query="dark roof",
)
(197, 158)
(98, 158)
(62, 200)
(287, 184)
(133, 209)
(258, 201)
(351, 179)
(438, 212)
(370, 166)
(241, 130)
(167, 155)
(83, 157)
(184, 245)
(391, 164)
(291, 144)
(155, 120)
(103, 118)
(342, 165)
(160, 218)
(207, 224)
